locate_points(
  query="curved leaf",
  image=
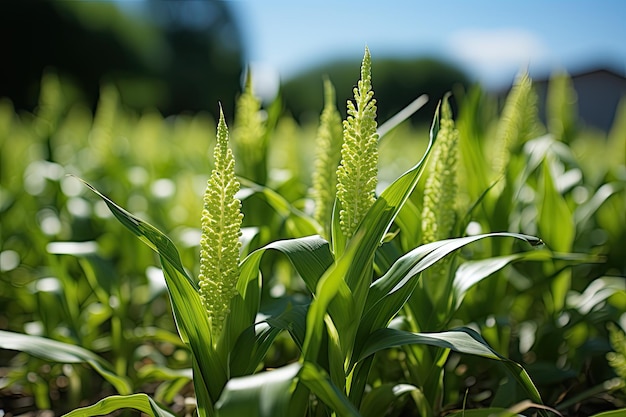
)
(53, 350)
(309, 255)
(472, 272)
(318, 381)
(266, 394)
(189, 313)
(401, 116)
(113, 403)
(379, 399)
(586, 210)
(596, 292)
(147, 233)
(462, 340)
(299, 222)
(389, 293)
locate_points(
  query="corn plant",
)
(366, 291)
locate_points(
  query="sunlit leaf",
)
(298, 222)
(470, 273)
(388, 294)
(319, 383)
(381, 398)
(108, 405)
(556, 224)
(596, 292)
(56, 351)
(190, 315)
(266, 394)
(462, 340)
(585, 211)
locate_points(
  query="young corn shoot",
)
(358, 170)
(221, 229)
(328, 144)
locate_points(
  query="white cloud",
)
(496, 55)
(265, 81)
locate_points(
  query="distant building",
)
(599, 93)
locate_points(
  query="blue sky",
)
(491, 40)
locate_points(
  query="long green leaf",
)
(320, 384)
(555, 220)
(189, 313)
(53, 350)
(251, 347)
(556, 225)
(586, 210)
(463, 340)
(266, 394)
(297, 222)
(401, 116)
(388, 294)
(108, 405)
(310, 256)
(472, 272)
(147, 233)
(379, 399)
(330, 285)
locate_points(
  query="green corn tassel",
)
(328, 145)
(358, 170)
(561, 109)
(439, 213)
(249, 135)
(221, 229)
(518, 123)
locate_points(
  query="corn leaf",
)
(483, 412)
(295, 221)
(556, 224)
(388, 294)
(585, 211)
(379, 399)
(401, 116)
(266, 394)
(318, 381)
(190, 315)
(310, 257)
(462, 340)
(472, 272)
(254, 342)
(330, 285)
(108, 405)
(53, 350)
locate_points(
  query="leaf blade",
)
(56, 351)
